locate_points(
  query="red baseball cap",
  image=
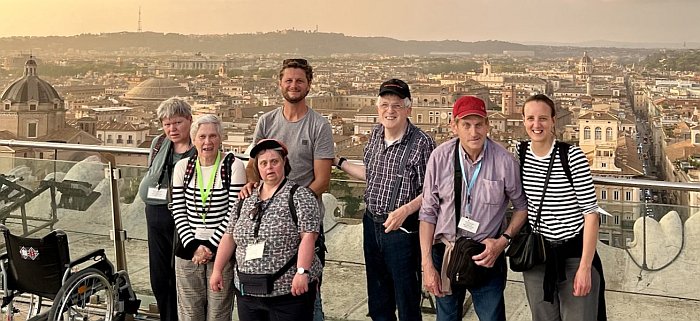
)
(469, 105)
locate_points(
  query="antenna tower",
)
(139, 28)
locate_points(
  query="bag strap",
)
(564, 158)
(458, 188)
(544, 190)
(156, 148)
(402, 167)
(290, 201)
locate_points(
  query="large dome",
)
(30, 87)
(155, 89)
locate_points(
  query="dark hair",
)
(541, 98)
(300, 64)
(287, 167)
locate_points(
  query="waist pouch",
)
(256, 283)
(462, 270)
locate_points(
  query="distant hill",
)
(299, 42)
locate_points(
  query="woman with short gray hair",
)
(175, 116)
(205, 187)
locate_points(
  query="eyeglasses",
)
(299, 61)
(394, 106)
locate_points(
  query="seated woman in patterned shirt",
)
(272, 234)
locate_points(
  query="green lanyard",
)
(204, 191)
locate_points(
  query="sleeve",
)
(583, 181)
(430, 206)
(259, 133)
(308, 212)
(513, 184)
(233, 217)
(426, 147)
(323, 148)
(179, 209)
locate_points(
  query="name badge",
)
(156, 193)
(254, 251)
(468, 225)
(203, 233)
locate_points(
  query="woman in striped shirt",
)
(200, 206)
(570, 284)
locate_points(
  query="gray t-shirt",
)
(307, 139)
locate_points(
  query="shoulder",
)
(445, 149)
(182, 164)
(270, 115)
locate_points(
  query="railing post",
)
(117, 233)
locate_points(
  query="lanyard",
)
(205, 190)
(471, 182)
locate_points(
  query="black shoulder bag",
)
(461, 269)
(528, 246)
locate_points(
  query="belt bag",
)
(462, 270)
(262, 283)
(256, 283)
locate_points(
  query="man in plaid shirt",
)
(393, 198)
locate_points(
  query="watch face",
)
(300, 271)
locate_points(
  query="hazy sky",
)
(468, 20)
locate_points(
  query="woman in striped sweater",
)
(569, 286)
(200, 206)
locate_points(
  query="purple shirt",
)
(497, 183)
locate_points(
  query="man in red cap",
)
(469, 182)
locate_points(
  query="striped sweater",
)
(189, 213)
(564, 205)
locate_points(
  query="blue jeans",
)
(488, 300)
(393, 272)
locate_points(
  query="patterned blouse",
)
(277, 230)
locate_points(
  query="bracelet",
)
(508, 237)
(340, 163)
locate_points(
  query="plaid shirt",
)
(382, 168)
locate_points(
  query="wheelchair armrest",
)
(89, 256)
(3, 256)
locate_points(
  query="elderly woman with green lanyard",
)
(205, 187)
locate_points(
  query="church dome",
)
(585, 59)
(30, 87)
(155, 89)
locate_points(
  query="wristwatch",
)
(302, 271)
(508, 237)
(340, 162)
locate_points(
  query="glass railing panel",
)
(38, 195)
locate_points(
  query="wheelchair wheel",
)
(86, 295)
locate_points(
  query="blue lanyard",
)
(471, 182)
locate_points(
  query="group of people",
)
(217, 229)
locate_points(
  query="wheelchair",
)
(88, 288)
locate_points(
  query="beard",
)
(286, 96)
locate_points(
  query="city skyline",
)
(524, 21)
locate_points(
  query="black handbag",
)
(262, 283)
(528, 246)
(462, 270)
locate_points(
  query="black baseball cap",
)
(395, 86)
(266, 144)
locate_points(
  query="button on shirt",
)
(498, 183)
(382, 168)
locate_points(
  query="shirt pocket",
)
(491, 192)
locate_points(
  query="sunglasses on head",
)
(299, 61)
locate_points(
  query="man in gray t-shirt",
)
(306, 133)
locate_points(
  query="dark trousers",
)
(277, 308)
(392, 262)
(161, 230)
